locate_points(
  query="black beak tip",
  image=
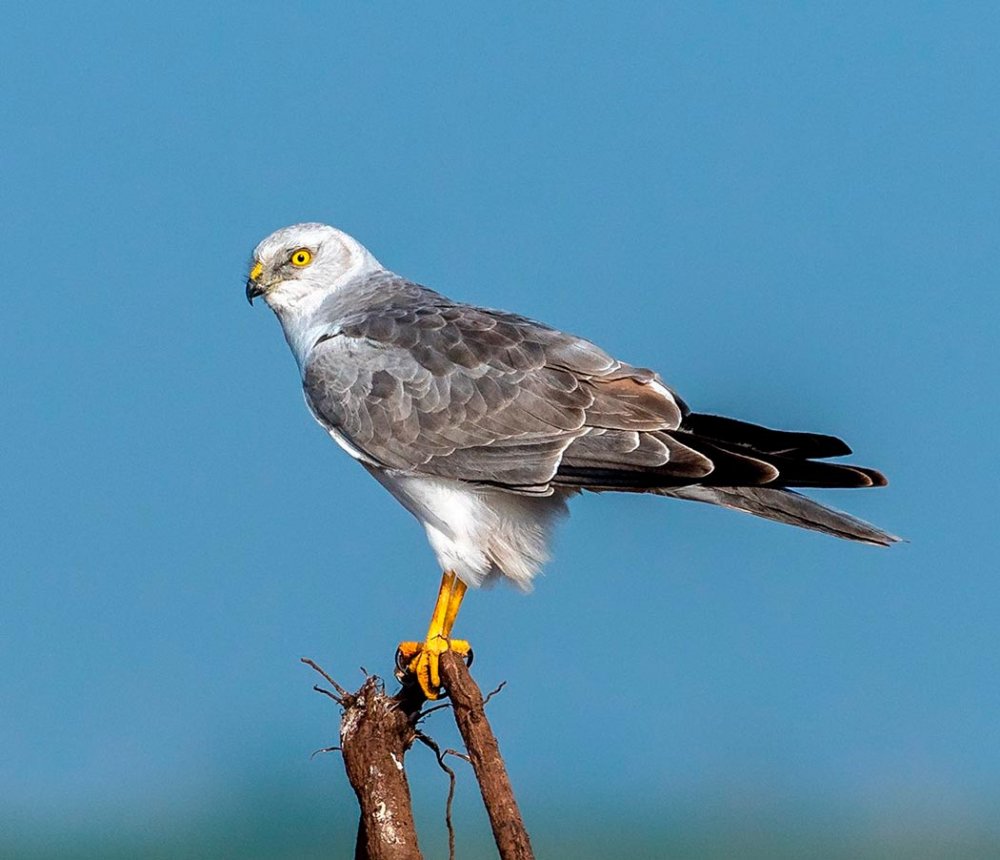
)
(253, 290)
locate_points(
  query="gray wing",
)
(486, 397)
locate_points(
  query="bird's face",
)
(296, 267)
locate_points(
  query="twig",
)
(426, 712)
(323, 751)
(492, 693)
(341, 692)
(338, 699)
(429, 742)
(458, 754)
(494, 784)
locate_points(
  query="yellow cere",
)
(256, 270)
(302, 257)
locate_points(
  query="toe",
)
(460, 647)
(434, 670)
(427, 674)
(406, 651)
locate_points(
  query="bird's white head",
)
(297, 267)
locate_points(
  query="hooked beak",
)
(254, 286)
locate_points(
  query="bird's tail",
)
(785, 506)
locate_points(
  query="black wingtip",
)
(784, 443)
(873, 475)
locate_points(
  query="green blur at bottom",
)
(302, 835)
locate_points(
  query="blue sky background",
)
(792, 213)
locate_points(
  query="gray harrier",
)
(483, 423)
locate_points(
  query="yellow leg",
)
(454, 604)
(421, 659)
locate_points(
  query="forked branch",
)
(376, 731)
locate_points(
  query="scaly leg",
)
(422, 659)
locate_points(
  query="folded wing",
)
(488, 398)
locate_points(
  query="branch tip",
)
(492, 693)
(315, 753)
(341, 692)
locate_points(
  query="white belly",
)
(480, 533)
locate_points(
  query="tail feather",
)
(786, 506)
(722, 461)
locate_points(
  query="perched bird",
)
(483, 423)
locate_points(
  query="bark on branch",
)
(375, 733)
(376, 730)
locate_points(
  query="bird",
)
(483, 423)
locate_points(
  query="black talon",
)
(402, 667)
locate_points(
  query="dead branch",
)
(491, 772)
(376, 730)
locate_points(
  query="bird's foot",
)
(421, 661)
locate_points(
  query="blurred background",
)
(792, 213)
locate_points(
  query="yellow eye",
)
(302, 257)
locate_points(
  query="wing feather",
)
(471, 394)
(480, 396)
